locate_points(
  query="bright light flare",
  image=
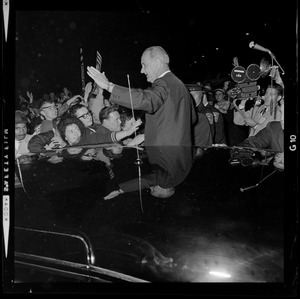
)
(220, 274)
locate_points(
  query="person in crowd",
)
(22, 101)
(34, 116)
(33, 105)
(221, 104)
(53, 97)
(87, 91)
(110, 125)
(81, 112)
(66, 94)
(202, 130)
(268, 73)
(50, 140)
(213, 115)
(227, 85)
(73, 133)
(258, 116)
(272, 138)
(233, 133)
(208, 97)
(170, 112)
(25, 106)
(21, 137)
(127, 119)
(108, 130)
(48, 111)
(58, 105)
(37, 119)
(82, 134)
(35, 123)
(69, 131)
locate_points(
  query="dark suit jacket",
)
(37, 143)
(271, 137)
(169, 108)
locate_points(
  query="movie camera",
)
(246, 80)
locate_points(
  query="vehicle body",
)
(208, 231)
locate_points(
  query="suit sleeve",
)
(37, 143)
(101, 135)
(150, 99)
(261, 140)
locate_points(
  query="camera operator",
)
(233, 133)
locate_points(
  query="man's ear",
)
(157, 62)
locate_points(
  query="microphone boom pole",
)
(138, 160)
(273, 56)
(255, 46)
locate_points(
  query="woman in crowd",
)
(69, 131)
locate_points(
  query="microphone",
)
(255, 46)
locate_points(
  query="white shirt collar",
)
(19, 141)
(17, 144)
(168, 71)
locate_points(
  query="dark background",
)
(44, 37)
(202, 38)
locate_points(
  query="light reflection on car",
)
(187, 237)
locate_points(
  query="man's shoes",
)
(160, 192)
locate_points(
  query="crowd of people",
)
(171, 114)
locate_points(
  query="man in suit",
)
(272, 138)
(168, 104)
(170, 112)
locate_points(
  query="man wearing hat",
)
(222, 105)
(21, 136)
